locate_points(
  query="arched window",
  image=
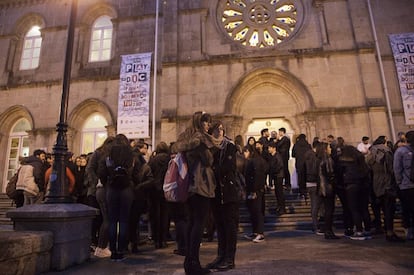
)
(31, 49)
(94, 133)
(18, 146)
(101, 40)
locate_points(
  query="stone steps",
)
(297, 217)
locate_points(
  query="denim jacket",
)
(402, 167)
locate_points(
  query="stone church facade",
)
(310, 66)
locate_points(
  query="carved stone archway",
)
(270, 93)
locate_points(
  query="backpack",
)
(118, 164)
(176, 181)
(384, 158)
(11, 191)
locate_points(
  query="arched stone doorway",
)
(15, 125)
(270, 98)
(270, 94)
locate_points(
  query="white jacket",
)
(26, 180)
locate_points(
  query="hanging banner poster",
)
(133, 99)
(402, 46)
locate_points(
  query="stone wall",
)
(25, 252)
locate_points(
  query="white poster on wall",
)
(402, 46)
(134, 92)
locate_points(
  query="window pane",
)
(37, 42)
(94, 56)
(27, 54)
(107, 34)
(35, 63)
(96, 35)
(88, 142)
(14, 142)
(27, 44)
(96, 45)
(25, 65)
(106, 55)
(36, 53)
(13, 153)
(106, 44)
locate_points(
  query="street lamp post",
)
(57, 191)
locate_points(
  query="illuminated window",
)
(94, 133)
(259, 23)
(101, 40)
(31, 49)
(18, 147)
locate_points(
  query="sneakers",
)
(250, 237)
(358, 236)
(117, 257)
(259, 238)
(367, 235)
(348, 233)
(319, 232)
(102, 252)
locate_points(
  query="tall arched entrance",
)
(270, 98)
(269, 94)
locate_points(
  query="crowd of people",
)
(125, 182)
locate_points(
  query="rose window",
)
(259, 23)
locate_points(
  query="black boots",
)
(193, 267)
(226, 265)
(221, 264)
(217, 261)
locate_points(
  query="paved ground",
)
(293, 252)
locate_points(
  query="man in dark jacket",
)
(283, 147)
(225, 205)
(276, 174)
(298, 152)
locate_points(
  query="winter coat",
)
(402, 167)
(224, 168)
(198, 149)
(283, 147)
(380, 160)
(298, 152)
(276, 166)
(311, 167)
(159, 166)
(31, 176)
(255, 174)
(352, 166)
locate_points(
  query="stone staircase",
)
(5, 205)
(297, 217)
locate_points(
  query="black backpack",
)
(119, 165)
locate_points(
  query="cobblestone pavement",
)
(290, 252)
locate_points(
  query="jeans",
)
(358, 197)
(227, 222)
(179, 214)
(407, 203)
(103, 238)
(198, 208)
(256, 213)
(119, 207)
(315, 202)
